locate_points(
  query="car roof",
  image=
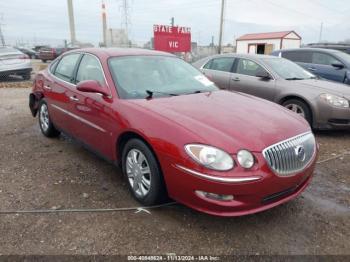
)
(251, 56)
(108, 52)
(326, 50)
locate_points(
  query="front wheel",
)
(45, 123)
(299, 107)
(143, 174)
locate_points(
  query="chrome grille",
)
(291, 156)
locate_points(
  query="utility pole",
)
(2, 38)
(221, 25)
(172, 21)
(321, 31)
(104, 24)
(71, 22)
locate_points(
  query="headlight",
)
(210, 157)
(245, 159)
(335, 100)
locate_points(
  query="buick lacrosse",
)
(174, 133)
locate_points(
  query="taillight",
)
(39, 84)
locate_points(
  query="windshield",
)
(136, 76)
(287, 69)
(345, 57)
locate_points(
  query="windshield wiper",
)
(295, 78)
(151, 92)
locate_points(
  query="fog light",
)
(214, 196)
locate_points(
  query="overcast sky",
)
(39, 20)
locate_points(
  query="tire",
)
(45, 123)
(299, 107)
(26, 77)
(148, 188)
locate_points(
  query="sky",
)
(39, 21)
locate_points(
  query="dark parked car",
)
(50, 53)
(29, 52)
(173, 132)
(327, 63)
(323, 104)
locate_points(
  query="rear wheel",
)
(142, 172)
(45, 123)
(299, 107)
(26, 76)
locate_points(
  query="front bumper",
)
(330, 117)
(250, 197)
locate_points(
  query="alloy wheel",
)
(138, 172)
(44, 117)
(296, 109)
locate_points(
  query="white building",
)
(265, 43)
(117, 38)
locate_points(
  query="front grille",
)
(291, 156)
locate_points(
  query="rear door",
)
(59, 87)
(322, 65)
(219, 70)
(244, 80)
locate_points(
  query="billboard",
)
(172, 38)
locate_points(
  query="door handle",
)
(236, 79)
(47, 87)
(312, 69)
(73, 98)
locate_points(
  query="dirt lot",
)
(41, 173)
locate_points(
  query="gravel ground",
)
(41, 173)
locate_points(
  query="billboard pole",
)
(221, 25)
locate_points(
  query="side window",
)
(53, 66)
(66, 66)
(323, 59)
(297, 56)
(90, 69)
(220, 64)
(248, 67)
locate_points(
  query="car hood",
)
(326, 86)
(231, 121)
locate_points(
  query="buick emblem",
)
(300, 153)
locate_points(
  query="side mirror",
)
(263, 75)
(92, 86)
(338, 65)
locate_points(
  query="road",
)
(41, 173)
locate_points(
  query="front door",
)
(244, 80)
(92, 110)
(322, 65)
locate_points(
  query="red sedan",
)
(174, 133)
